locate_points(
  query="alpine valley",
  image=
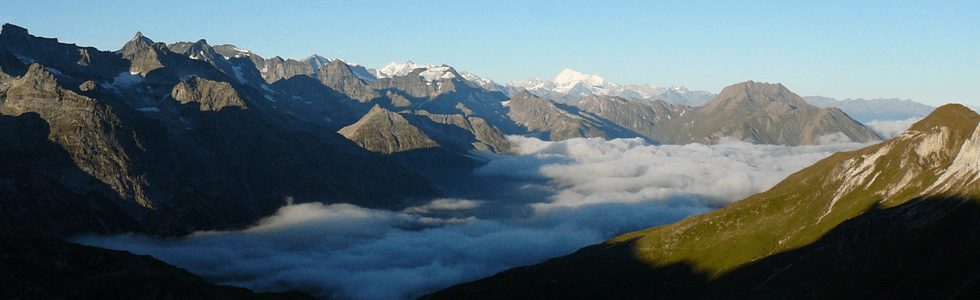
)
(189, 139)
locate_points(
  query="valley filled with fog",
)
(565, 195)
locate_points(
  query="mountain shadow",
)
(45, 192)
(923, 249)
(45, 268)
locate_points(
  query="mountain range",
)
(164, 134)
(170, 139)
(572, 86)
(865, 110)
(894, 220)
(187, 147)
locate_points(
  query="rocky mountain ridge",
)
(755, 112)
(166, 155)
(865, 110)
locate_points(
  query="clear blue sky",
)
(925, 51)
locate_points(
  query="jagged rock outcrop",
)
(212, 96)
(387, 132)
(277, 68)
(467, 131)
(337, 75)
(643, 117)
(87, 129)
(143, 54)
(894, 220)
(70, 60)
(199, 50)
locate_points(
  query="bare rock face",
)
(338, 76)
(88, 86)
(761, 113)
(87, 129)
(276, 68)
(143, 55)
(212, 95)
(767, 114)
(475, 131)
(560, 122)
(387, 132)
(640, 116)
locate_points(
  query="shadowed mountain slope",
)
(41, 268)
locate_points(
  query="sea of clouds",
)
(570, 194)
(891, 128)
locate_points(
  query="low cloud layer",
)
(890, 129)
(590, 171)
(595, 190)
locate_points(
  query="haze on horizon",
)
(925, 52)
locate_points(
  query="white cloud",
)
(890, 129)
(590, 171)
(593, 190)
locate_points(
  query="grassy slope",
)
(788, 216)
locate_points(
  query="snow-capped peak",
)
(430, 72)
(569, 77)
(436, 73)
(483, 82)
(571, 85)
(401, 69)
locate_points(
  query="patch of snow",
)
(436, 73)
(267, 97)
(149, 109)
(24, 59)
(126, 79)
(266, 88)
(482, 82)
(56, 72)
(401, 69)
(361, 73)
(198, 56)
(238, 74)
